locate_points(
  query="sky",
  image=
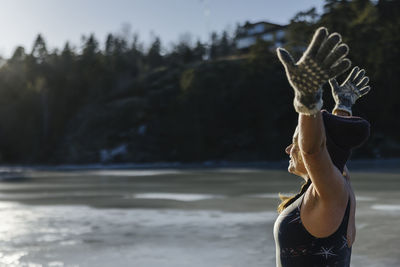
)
(60, 21)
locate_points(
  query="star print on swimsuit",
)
(344, 239)
(326, 252)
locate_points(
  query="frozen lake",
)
(173, 217)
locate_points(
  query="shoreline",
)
(354, 165)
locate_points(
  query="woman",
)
(316, 227)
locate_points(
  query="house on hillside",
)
(248, 34)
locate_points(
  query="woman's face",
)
(296, 163)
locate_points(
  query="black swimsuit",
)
(296, 247)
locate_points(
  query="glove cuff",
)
(309, 104)
(342, 108)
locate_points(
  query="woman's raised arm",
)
(323, 60)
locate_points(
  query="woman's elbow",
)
(313, 149)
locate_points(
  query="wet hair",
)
(286, 201)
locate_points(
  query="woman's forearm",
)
(311, 133)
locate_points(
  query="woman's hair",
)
(286, 201)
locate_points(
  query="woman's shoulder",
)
(320, 217)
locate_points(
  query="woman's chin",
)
(293, 170)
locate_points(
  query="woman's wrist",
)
(340, 112)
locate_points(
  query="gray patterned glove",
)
(354, 87)
(323, 60)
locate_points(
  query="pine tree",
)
(154, 58)
(39, 50)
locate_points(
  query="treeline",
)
(194, 102)
(42, 90)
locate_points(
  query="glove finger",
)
(285, 57)
(339, 68)
(359, 76)
(365, 90)
(330, 43)
(334, 84)
(353, 74)
(319, 37)
(363, 82)
(339, 52)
